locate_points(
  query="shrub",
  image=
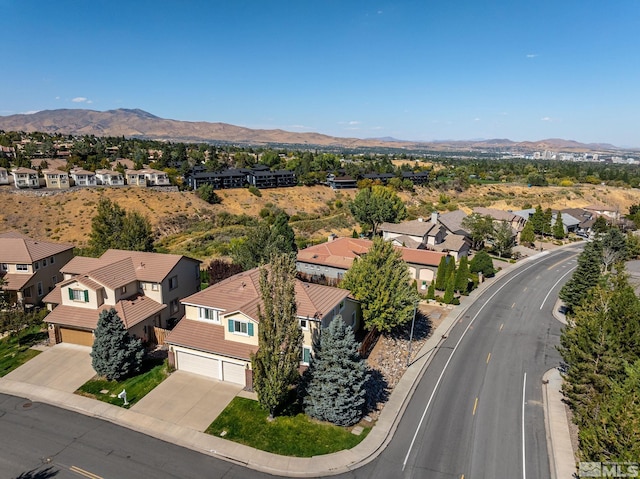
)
(255, 191)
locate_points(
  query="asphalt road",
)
(465, 419)
(468, 418)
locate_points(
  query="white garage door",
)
(426, 274)
(233, 373)
(193, 363)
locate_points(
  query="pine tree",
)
(482, 263)
(528, 235)
(558, 227)
(336, 389)
(449, 289)
(548, 218)
(275, 364)
(115, 354)
(537, 219)
(462, 276)
(431, 291)
(584, 277)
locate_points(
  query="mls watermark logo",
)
(608, 469)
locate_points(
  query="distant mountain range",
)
(141, 124)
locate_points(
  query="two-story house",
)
(4, 176)
(30, 268)
(219, 332)
(25, 178)
(83, 177)
(109, 177)
(144, 288)
(135, 178)
(414, 234)
(56, 179)
(156, 177)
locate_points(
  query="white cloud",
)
(89, 101)
(30, 112)
(354, 123)
(546, 118)
(476, 119)
(79, 99)
(532, 55)
(57, 98)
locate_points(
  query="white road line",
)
(556, 284)
(524, 456)
(433, 393)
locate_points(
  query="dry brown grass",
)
(66, 216)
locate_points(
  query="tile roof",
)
(452, 243)
(131, 311)
(241, 292)
(153, 267)
(453, 220)
(341, 252)
(24, 170)
(81, 265)
(16, 248)
(209, 338)
(16, 281)
(407, 241)
(116, 274)
(496, 214)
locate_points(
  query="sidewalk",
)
(336, 463)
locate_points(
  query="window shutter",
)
(86, 296)
(306, 355)
(250, 329)
(70, 294)
(231, 328)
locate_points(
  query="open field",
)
(66, 216)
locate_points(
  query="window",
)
(27, 292)
(40, 291)
(241, 327)
(123, 289)
(54, 279)
(52, 259)
(198, 272)
(4, 267)
(341, 305)
(36, 265)
(44, 262)
(208, 314)
(304, 324)
(174, 306)
(154, 286)
(173, 282)
(79, 295)
(306, 355)
(22, 267)
(143, 285)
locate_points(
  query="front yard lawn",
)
(15, 349)
(153, 373)
(246, 422)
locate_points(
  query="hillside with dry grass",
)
(315, 211)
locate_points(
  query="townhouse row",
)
(58, 179)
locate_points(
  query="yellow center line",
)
(488, 357)
(84, 473)
(501, 326)
(512, 306)
(475, 405)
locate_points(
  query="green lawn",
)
(246, 422)
(14, 349)
(153, 373)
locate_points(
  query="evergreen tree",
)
(336, 389)
(528, 235)
(441, 273)
(275, 364)
(449, 289)
(614, 248)
(137, 234)
(462, 276)
(482, 263)
(558, 227)
(380, 280)
(548, 218)
(115, 354)
(431, 291)
(584, 277)
(537, 219)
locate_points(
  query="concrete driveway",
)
(189, 400)
(64, 366)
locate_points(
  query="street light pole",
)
(413, 322)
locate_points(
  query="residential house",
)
(4, 176)
(144, 288)
(570, 224)
(452, 222)
(613, 213)
(261, 176)
(156, 177)
(231, 178)
(515, 221)
(31, 268)
(341, 182)
(56, 179)
(414, 234)
(109, 177)
(135, 178)
(220, 330)
(83, 177)
(25, 178)
(328, 262)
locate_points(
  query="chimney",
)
(434, 217)
(331, 237)
(420, 219)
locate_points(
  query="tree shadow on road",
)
(45, 473)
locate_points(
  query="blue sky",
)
(413, 70)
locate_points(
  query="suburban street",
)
(476, 413)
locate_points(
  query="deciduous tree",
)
(374, 205)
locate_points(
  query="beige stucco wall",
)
(240, 338)
(93, 296)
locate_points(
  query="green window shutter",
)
(250, 329)
(306, 355)
(231, 329)
(70, 294)
(86, 296)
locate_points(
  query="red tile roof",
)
(209, 338)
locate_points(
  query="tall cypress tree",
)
(115, 354)
(462, 276)
(338, 374)
(558, 227)
(441, 274)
